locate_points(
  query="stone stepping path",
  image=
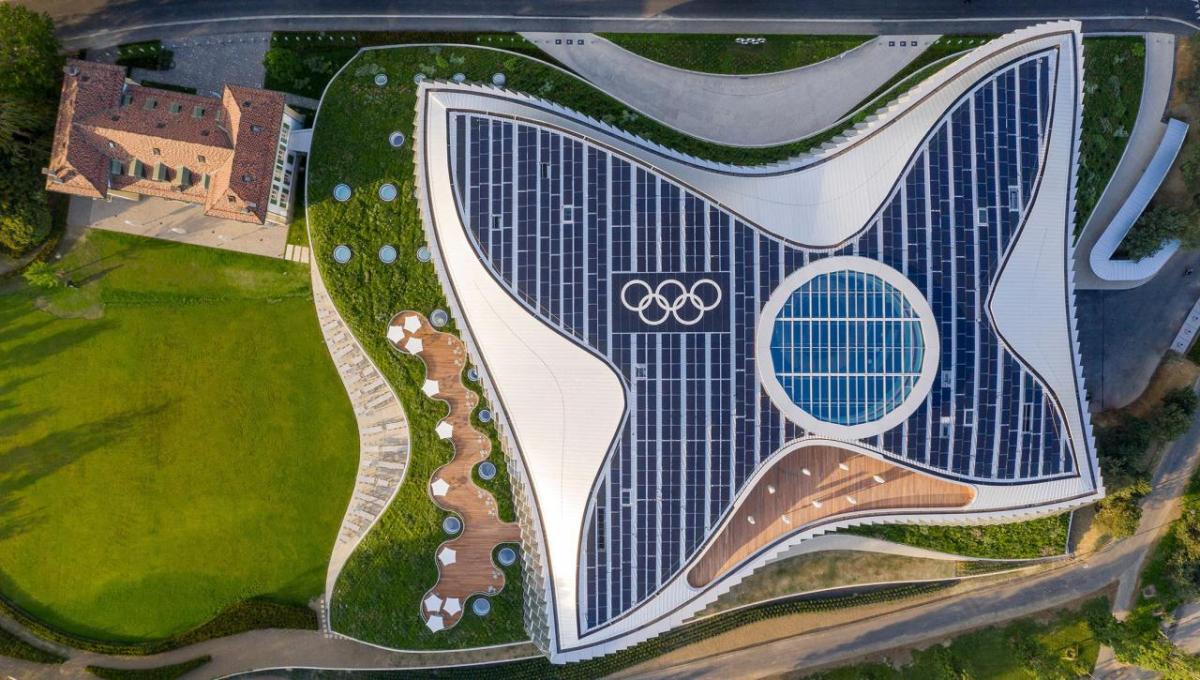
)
(465, 566)
(382, 432)
(296, 253)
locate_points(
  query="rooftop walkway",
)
(465, 566)
(755, 110)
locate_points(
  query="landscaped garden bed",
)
(709, 53)
(1113, 69)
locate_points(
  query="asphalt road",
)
(96, 23)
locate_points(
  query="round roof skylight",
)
(847, 347)
(487, 470)
(387, 192)
(341, 254)
(341, 193)
(387, 254)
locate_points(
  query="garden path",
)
(382, 433)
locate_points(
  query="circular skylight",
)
(387, 254)
(487, 470)
(506, 556)
(387, 192)
(850, 341)
(451, 525)
(341, 193)
(341, 254)
(481, 606)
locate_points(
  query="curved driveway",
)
(754, 110)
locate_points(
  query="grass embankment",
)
(1043, 537)
(709, 53)
(174, 440)
(15, 648)
(1113, 69)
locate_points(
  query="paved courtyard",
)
(207, 63)
(176, 221)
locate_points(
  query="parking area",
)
(176, 221)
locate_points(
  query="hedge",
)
(161, 673)
(244, 616)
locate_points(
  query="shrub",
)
(41, 274)
(1158, 225)
(24, 221)
(1120, 512)
(16, 648)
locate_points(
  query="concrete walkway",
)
(177, 221)
(382, 434)
(1144, 139)
(756, 110)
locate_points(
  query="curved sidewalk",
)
(1144, 140)
(382, 433)
(753, 110)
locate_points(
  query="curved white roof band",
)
(563, 404)
(817, 200)
(1101, 257)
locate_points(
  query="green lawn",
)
(1021, 540)
(709, 53)
(173, 439)
(1112, 89)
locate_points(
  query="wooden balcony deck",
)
(817, 483)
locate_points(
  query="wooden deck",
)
(816, 483)
(465, 565)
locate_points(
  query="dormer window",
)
(127, 99)
(156, 151)
(151, 104)
(197, 111)
(201, 159)
(256, 128)
(246, 103)
(247, 178)
(176, 107)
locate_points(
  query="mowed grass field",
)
(173, 438)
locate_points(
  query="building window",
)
(151, 104)
(176, 107)
(201, 159)
(127, 99)
(247, 178)
(256, 128)
(156, 151)
(197, 111)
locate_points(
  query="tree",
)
(1157, 225)
(30, 59)
(21, 124)
(42, 275)
(24, 223)
(1121, 511)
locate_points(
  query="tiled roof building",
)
(114, 137)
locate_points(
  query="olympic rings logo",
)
(670, 299)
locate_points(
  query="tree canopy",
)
(30, 69)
